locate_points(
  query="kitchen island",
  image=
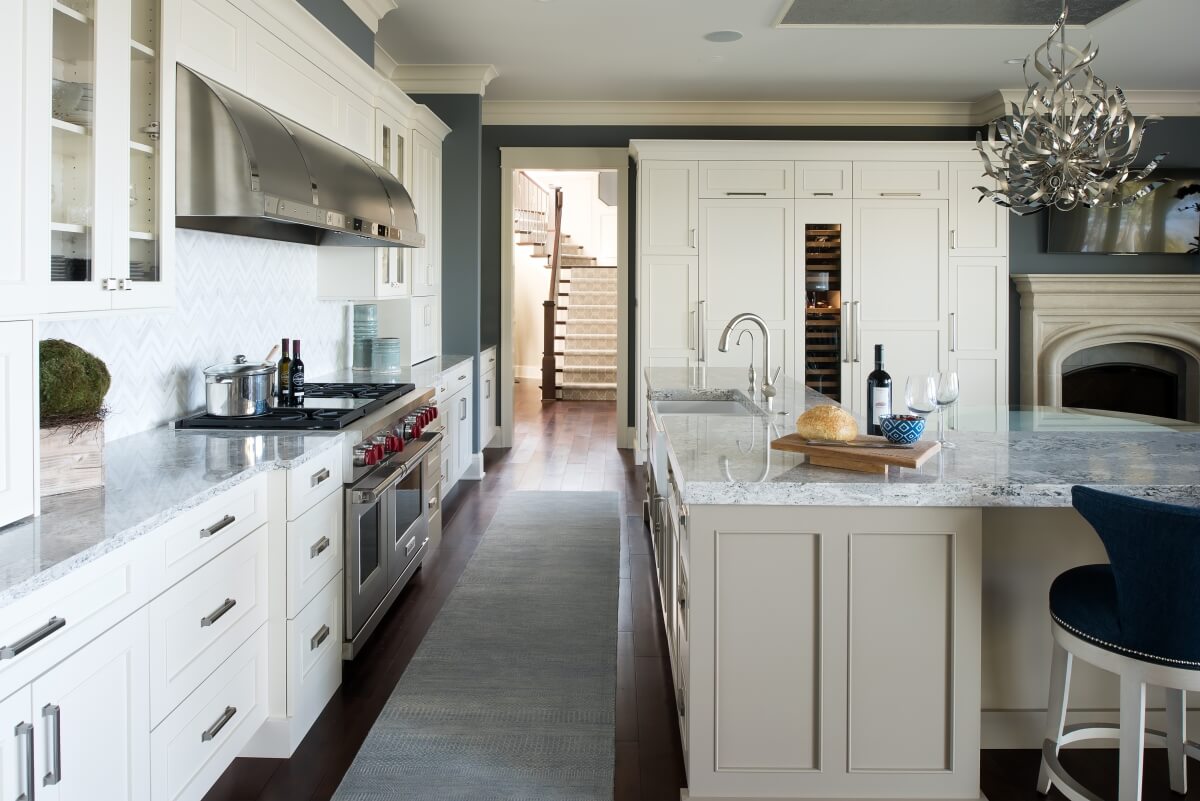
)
(849, 635)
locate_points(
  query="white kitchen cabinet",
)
(900, 290)
(212, 38)
(18, 388)
(766, 179)
(487, 408)
(671, 319)
(978, 227)
(911, 179)
(824, 179)
(393, 154)
(17, 743)
(426, 190)
(99, 149)
(20, 276)
(462, 408)
(668, 200)
(93, 713)
(747, 264)
(978, 339)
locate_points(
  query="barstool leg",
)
(1133, 732)
(1176, 737)
(1056, 707)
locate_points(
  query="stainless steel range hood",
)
(243, 169)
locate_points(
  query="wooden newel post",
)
(549, 365)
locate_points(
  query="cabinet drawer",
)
(824, 179)
(487, 360)
(191, 748)
(199, 534)
(455, 378)
(312, 481)
(199, 622)
(721, 179)
(314, 660)
(48, 625)
(900, 179)
(314, 544)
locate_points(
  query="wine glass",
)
(920, 394)
(947, 396)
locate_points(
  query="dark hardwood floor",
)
(572, 446)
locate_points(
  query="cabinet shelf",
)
(141, 51)
(143, 235)
(70, 13)
(140, 148)
(68, 127)
(68, 228)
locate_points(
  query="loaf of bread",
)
(827, 422)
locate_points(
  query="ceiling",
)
(591, 50)
(942, 12)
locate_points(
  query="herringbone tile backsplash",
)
(233, 295)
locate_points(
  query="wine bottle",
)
(296, 376)
(879, 393)
(283, 396)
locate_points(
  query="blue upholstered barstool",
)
(1138, 617)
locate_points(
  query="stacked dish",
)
(366, 328)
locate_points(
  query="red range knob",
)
(434, 409)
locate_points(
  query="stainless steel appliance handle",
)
(50, 714)
(953, 332)
(24, 734)
(218, 613)
(858, 330)
(319, 476)
(692, 330)
(318, 638)
(318, 547)
(845, 343)
(701, 355)
(218, 724)
(32, 638)
(217, 526)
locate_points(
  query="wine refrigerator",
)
(823, 308)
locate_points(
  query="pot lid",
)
(239, 367)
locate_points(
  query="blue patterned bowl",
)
(902, 429)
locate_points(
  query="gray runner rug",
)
(511, 695)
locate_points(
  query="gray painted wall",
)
(345, 25)
(461, 188)
(1027, 235)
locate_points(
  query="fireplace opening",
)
(1131, 377)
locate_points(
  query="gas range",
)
(326, 407)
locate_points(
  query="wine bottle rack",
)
(823, 308)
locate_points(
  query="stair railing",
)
(531, 208)
(550, 308)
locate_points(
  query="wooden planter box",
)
(71, 460)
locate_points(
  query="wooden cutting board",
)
(864, 460)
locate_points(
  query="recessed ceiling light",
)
(1006, 61)
(723, 36)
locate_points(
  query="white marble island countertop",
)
(1033, 460)
(150, 478)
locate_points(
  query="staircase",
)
(581, 351)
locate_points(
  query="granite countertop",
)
(423, 375)
(150, 478)
(1032, 461)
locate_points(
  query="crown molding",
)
(444, 79)
(385, 64)
(720, 113)
(371, 11)
(1163, 102)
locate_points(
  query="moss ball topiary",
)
(73, 382)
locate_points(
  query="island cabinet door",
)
(900, 290)
(977, 331)
(834, 652)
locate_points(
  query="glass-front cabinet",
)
(97, 100)
(392, 153)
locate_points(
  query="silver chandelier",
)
(1073, 140)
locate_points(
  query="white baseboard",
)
(1025, 728)
(626, 437)
(474, 471)
(527, 371)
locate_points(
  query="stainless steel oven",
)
(386, 535)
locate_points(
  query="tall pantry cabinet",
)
(838, 247)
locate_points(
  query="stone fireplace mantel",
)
(1063, 314)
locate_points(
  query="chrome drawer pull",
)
(217, 526)
(822, 194)
(433, 502)
(318, 638)
(24, 731)
(215, 729)
(319, 547)
(462, 378)
(899, 194)
(50, 713)
(218, 613)
(745, 194)
(320, 476)
(33, 638)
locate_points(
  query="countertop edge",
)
(72, 563)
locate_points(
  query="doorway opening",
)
(564, 315)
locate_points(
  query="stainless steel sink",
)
(724, 407)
